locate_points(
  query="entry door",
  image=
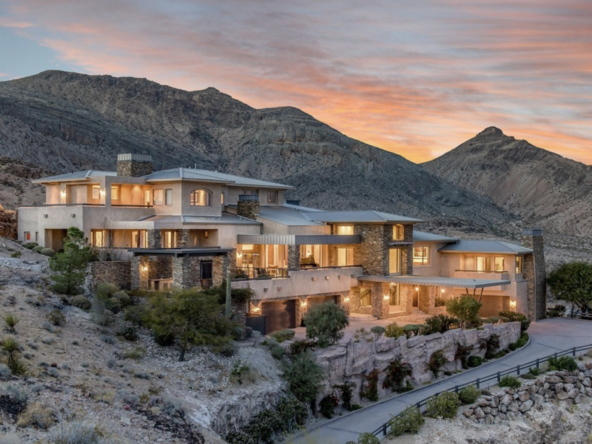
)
(205, 274)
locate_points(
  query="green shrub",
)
(494, 319)
(474, 361)
(128, 332)
(47, 252)
(328, 405)
(81, 302)
(492, 344)
(347, 394)
(123, 298)
(462, 353)
(378, 331)
(105, 290)
(11, 321)
(445, 405)
(277, 352)
(325, 323)
(37, 249)
(368, 438)
(304, 376)
(466, 309)
(113, 305)
(396, 372)
(300, 345)
(283, 335)
(16, 254)
(534, 371)
(437, 361)
(409, 421)
(510, 382)
(439, 324)
(412, 330)
(469, 394)
(135, 353)
(369, 389)
(394, 331)
(12, 349)
(57, 318)
(512, 316)
(271, 342)
(562, 363)
(31, 245)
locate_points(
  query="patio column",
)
(293, 257)
(380, 305)
(140, 273)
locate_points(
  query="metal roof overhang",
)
(179, 252)
(435, 281)
(299, 239)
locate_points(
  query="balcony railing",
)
(244, 273)
(481, 271)
(132, 206)
(248, 198)
(46, 205)
(309, 267)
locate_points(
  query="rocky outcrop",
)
(8, 224)
(350, 362)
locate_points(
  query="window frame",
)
(193, 198)
(168, 192)
(519, 264)
(398, 232)
(27, 235)
(424, 258)
(272, 197)
(160, 201)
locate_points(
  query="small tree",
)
(572, 282)
(304, 376)
(325, 322)
(465, 309)
(69, 267)
(190, 318)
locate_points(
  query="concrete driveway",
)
(547, 336)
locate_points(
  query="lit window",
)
(169, 239)
(365, 297)
(248, 247)
(97, 238)
(272, 197)
(96, 192)
(201, 198)
(345, 257)
(394, 295)
(147, 197)
(499, 264)
(395, 261)
(114, 193)
(168, 198)
(158, 197)
(222, 199)
(398, 232)
(345, 229)
(421, 255)
(518, 264)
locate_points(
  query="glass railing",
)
(245, 273)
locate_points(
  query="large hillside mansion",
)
(188, 228)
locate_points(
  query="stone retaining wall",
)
(118, 273)
(570, 387)
(349, 362)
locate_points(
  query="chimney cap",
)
(532, 232)
(134, 157)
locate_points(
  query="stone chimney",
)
(248, 206)
(134, 165)
(535, 273)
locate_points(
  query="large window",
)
(365, 297)
(140, 239)
(314, 256)
(395, 261)
(98, 238)
(421, 255)
(169, 239)
(96, 192)
(345, 257)
(487, 264)
(201, 198)
(518, 264)
(499, 264)
(168, 197)
(114, 192)
(272, 197)
(398, 232)
(345, 229)
(158, 197)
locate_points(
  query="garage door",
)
(279, 315)
(320, 300)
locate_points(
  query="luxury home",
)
(188, 228)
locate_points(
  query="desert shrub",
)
(4, 371)
(369, 388)
(81, 302)
(47, 252)
(462, 353)
(510, 382)
(361, 334)
(368, 438)
(13, 401)
(465, 309)
(439, 324)
(10, 323)
(108, 339)
(304, 376)
(30, 245)
(412, 330)
(534, 371)
(270, 342)
(100, 315)
(378, 331)
(105, 290)
(113, 305)
(69, 267)
(396, 372)
(135, 353)
(128, 332)
(137, 314)
(437, 361)
(123, 298)
(37, 249)
(562, 363)
(284, 335)
(16, 254)
(474, 361)
(12, 349)
(328, 405)
(240, 373)
(325, 323)
(409, 421)
(491, 346)
(277, 352)
(512, 316)
(78, 432)
(57, 318)
(346, 390)
(445, 405)
(162, 338)
(36, 415)
(469, 394)
(300, 345)
(394, 331)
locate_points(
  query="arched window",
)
(201, 198)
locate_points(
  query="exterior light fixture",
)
(416, 288)
(145, 268)
(206, 234)
(239, 255)
(513, 305)
(256, 309)
(442, 290)
(386, 297)
(102, 192)
(304, 303)
(63, 194)
(73, 215)
(346, 299)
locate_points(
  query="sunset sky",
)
(414, 77)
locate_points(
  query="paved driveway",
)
(547, 336)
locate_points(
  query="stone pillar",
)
(373, 252)
(220, 265)
(140, 273)
(134, 165)
(407, 292)
(380, 305)
(182, 238)
(293, 257)
(248, 209)
(407, 253)
(424, 298)
(354, 299)
(535, 273)
(154, 239)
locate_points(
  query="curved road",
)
(547, 336)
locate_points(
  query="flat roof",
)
(436, 281)
(362, 216)
(211, 176)
(484, 246)
(422, 236)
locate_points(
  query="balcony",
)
(486, 275)
(314, 281)
(246, 273)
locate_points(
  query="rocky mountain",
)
(541, 187)
(62, 121)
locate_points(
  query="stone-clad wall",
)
(373, 253)
(117, 273)
(571, 387)
(349, 362)
(535, 272)
(134, 168)
(248, 209)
